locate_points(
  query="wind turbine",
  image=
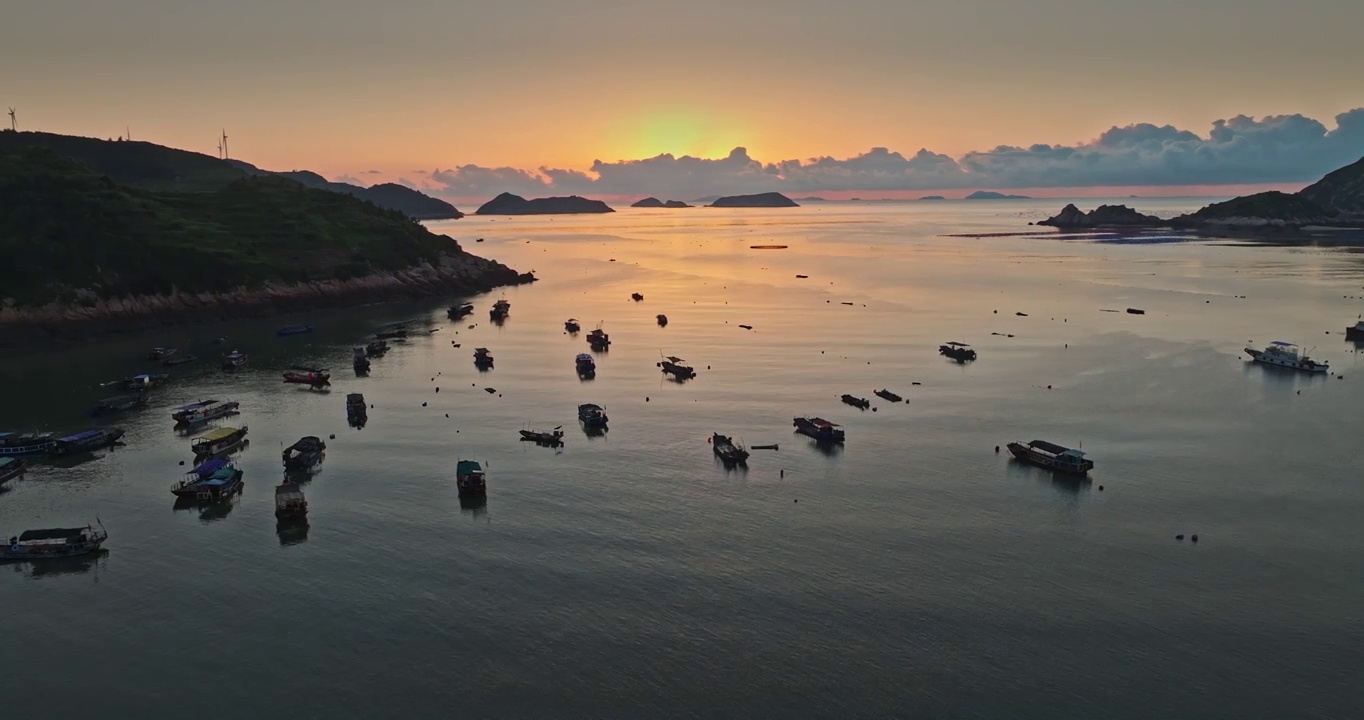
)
(224, 144)
(13, 125)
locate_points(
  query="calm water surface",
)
(913, 573)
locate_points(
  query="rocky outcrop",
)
(761, 200)
(509, 204)
(1266, 211)
(648, 202)
(1104, 216)
(93, 316)
(1341, 190)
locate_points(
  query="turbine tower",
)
(13, 125)
(224, 145)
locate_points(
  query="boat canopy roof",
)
(52, 534)
(481, 351)
(821, 422)
(302, 368)
(224, 476)
(197, 405)
(355, 397)
(209, 467)
(954, 343)
(8, 461)
(1281, 343)
(307, 443)
(80, 436)
(584, 356)
(1055, 449)
(468, 466)
(288, 491)
(219, 434)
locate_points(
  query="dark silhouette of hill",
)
(1341, 190)
(415, 204)
(761, 200)
(509, 204)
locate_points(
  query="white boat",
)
(203, 411)
(1286, 355)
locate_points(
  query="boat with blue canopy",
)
(203, 471)
(86, 441)
(26, 443)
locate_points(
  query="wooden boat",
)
(203, 411)
(673, 366)
(218, 442)
(161, 353)
(312, 377)
(544, 437)
(293, 330)
(305, 454)
(1355, 333)
(857, 402)
(500, 309)
(86, 441)
(376, 348)
(592, 416)
(662, 320)
(396, 333)
(234, 360)
(459, 311)
(636, 297)
(1285, 355)
(820, 429)
(25, 443)
(961, 352)
(212, 467)
(598, 339)
(571, 325)
(53, 544)
(356, 410)
(483, 358)
(10, 468)
(181, 360)
(587, 367)
(119, 403)
(219, 486)
(144, 381)
(888, 395)
(289, 502)
(359, 360)
(1052, 457)
(730, 452)
(470, 478)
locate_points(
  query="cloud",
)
(1238, 150)
(373, 172)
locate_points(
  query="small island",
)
(1104, 216)
(761, 200)
(932, 197)
(509, 204)
(992, 195)
(653, 202)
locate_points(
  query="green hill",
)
(135, 164)
(1273, 207)
(141, 220)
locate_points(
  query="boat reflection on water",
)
(595, 431)
(1068, 483)
(292, 532)
(208, 511)
(61, 566)
(474, 505)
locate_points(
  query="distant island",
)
(932, 197)
(509, 204)
(992, 195)
(761, 200)
(102, 236)
(653, 202)
(392, 196)
(811, 198)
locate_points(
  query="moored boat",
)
(1052, 456)
(305, 454)
(636, 297)
(1285, 355)
(673, 366)
(53, 544)
(571, 325)
(820, 429)
(662, 320)
(544, 437)
(142, 382)
(180, 360)
(592, 415)
(234, 360)
(161, 353)
(961, 352)
(218, 442)
(730, 452)
(356, 409)
(391, 334)
(459, 311)
(203, 411)
(888, 395)
(26, 443)
(289, 502)
(857, 402)
(293, 330)
(118, 404)
(186, 487)
(86, 441)
(359, 360)
(376, 348)
(470, 478)
(500, 309)
(10, 468)
(483, 357)
(599, 340)
(587, 367)
(1355, 333)
(312, 377)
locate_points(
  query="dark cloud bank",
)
(1274, 149)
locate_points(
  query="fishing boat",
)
(356, 409)
(203, 411)
(312, 377)
(53, 544)
(219, 486)
(305, 454)
(857, 402)
(571, 325)
(888, 395)
(293, 330)
(730, 452)
(662, 320)
(673, 366)
(592, 415)
(234, 360)
(376, 348)
(961, 352)
(118, 404)
(289, 502)
(161, 353)
(636, 297)
(1052, 457)
(181, 360)
(459, 311)
(483, 358)
(187, 486)
(25, 443)
(820, 429)
(218, 442)
(470, 479)
(360, 361)
(544, 437)
(587, 367)
(392, 334)
(1355, 333)
(144, 381)
(86, 441)
(10, 468)
(1285, 355)
(598, 339)
(500, 309)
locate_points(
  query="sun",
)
(678, 132)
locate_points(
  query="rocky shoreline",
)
(93, 317)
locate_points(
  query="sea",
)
(915, 571)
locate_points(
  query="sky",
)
(613, 97)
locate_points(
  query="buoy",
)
(996, 448)
(1179, 536)
(182, 462)
(646, 399)
(783, 472)
(1193, 538)
(437, 389)
(332, 437)
(1101, 488)
(423, 404)
(447, 414)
